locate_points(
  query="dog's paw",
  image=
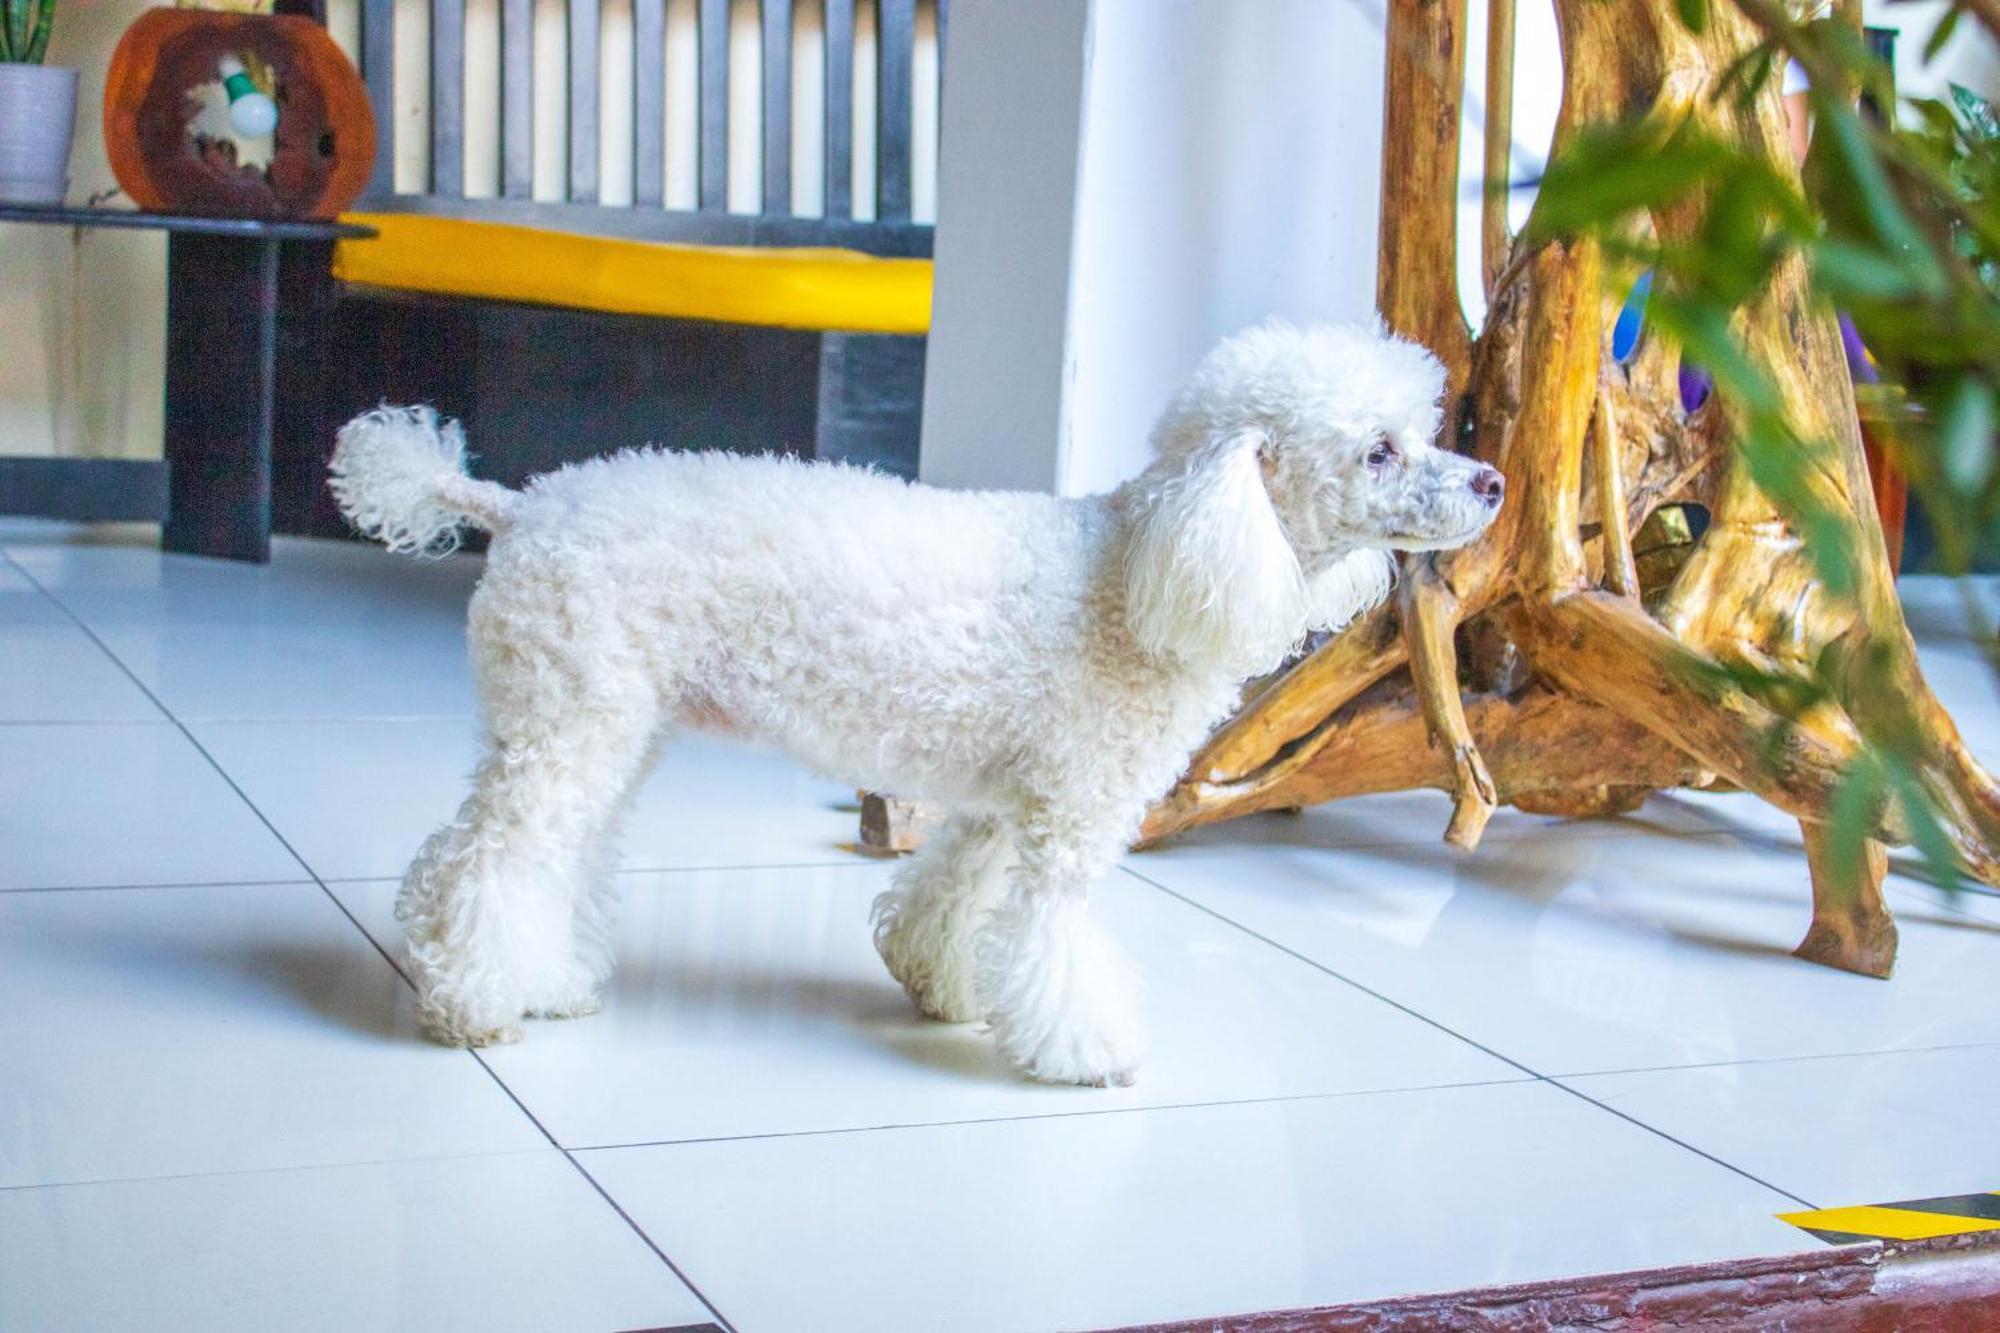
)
(582, 1007)
(1080, 1060)
(935, 970)
(1061, 997)
(473, 1038)
(1098, 1045)
(958, 1006)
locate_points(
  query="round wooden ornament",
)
(319, 152)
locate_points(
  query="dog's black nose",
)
(1490, 486)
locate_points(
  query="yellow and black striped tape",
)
(1911, 1219)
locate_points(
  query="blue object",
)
(1631, 319)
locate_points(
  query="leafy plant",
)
(24, 30)
(1898, 222)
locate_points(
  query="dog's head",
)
(1289, 463)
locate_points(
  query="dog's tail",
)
(399, 475)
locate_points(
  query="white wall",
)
(1124, 183)
(1231, 166)
(82, 338)
(996, 382)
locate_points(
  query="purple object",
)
(1696, 385)
(1858, 365)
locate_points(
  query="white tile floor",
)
(1378, 1066)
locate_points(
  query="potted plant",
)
(37, 107)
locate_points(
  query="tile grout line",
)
(1425, 1018)
(1748, 1061)
(1699, 1152)
(268, 1170)
(602, 1193)
(354, 921)
(264, 881)
(1337, 976)
(1220, 1104)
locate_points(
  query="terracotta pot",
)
(37, 118)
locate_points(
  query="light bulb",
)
(252, 114)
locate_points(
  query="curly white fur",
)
(399, 476)
(1043, 665)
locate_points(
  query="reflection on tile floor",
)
(215, 1111)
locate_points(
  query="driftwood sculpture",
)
(1576, 657)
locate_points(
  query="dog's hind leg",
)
(594, 914)
(1059, 992)
(927, 925)
(505, 909)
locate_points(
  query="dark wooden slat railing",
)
(712, 160)
(777, 106)
(840, 108)
(583, 81)
(649, 102)
(448, 97)
(378, 70)
(581, 190)
(517, 98)
(895, 46)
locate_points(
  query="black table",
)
(211, 492)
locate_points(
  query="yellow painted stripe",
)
(1888, 1223)
(784, 288)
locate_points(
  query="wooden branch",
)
(1304, 696)
(1416, 284)
(1498, 165)
(1621, 570)
(1430, 619)
(1561, 340)
(1527, 685)
(1605, 648)
(1540, 742)
(1851, 927)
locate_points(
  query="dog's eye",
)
(1380, 452)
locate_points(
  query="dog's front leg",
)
(1060, 994)
(927, 926)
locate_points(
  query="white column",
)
(1010, 128)
(1222, 165)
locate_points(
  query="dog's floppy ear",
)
(1355, 583)
(1208, 574)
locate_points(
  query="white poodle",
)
(1042, 666)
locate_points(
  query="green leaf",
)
(1946, 25)
(1782, 464)
(1978, 113)
(1694, 13)
(38, 41)
(1702, 329)
(1936, 117)
(1925, 830)
(1605, 175)
(1965, 441)
(1851, 273)
(1862, 196)
(1851, 815)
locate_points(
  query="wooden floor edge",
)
(1951, 1283)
